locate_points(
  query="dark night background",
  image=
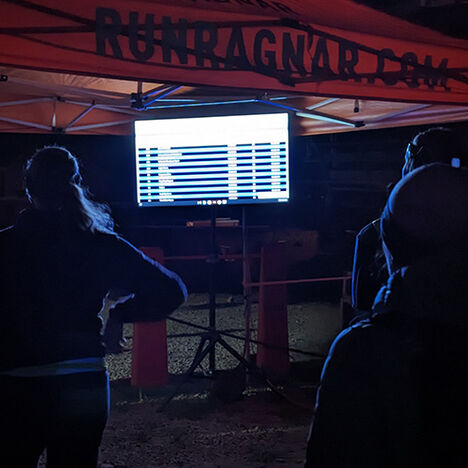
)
(338, 185)
(338, 182)
(447, 16)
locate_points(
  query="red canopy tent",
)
(91, 66)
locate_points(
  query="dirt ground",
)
(262, 430)
(196, 429)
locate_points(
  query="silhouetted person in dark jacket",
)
(369, 268)
(434, 145)
(59, 261)
(394, 387)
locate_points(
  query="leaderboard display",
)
(239, 159)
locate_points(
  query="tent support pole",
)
(79, 117)
(322, 103)
(171, 90)
(99, 125)
(398, 113)
(26, 124)
(314, 115)
(201, 104)
(117, 109)
(26, 101)
(152, 92)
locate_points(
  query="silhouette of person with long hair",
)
(59, 261)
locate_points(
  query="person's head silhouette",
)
(53, 182)
(425, 213)
(436, 145)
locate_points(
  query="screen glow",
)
(212, 160)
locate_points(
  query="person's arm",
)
(344, 428)
(154, 291)
(363, 284)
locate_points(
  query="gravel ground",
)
(312, 326)
(196, 429)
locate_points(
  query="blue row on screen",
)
(211, 160)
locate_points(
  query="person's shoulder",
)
(355, 341)
(7, 233)
(104, 236)
(370, 231)
(9, 239)
(114, 242)
(6, 230)
(353, 333)
(108, 238)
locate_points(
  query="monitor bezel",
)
(186, 204)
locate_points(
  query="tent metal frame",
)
(150, 102)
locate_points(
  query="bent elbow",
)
(183, 294)
(176, 294)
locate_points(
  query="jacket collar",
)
(44, 223)
(435, 288)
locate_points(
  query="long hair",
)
(53, 181)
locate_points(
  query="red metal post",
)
(273, 313)
(149, 350)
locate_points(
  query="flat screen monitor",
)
(237, 159)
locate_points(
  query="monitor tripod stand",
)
(212, 337)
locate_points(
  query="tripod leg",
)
(196, 362)
(249, 365)
(239, 357)
(199, 350)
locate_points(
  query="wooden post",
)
(149, 350)
(273, 313)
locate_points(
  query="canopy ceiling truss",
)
(94, 66)
(57, 104)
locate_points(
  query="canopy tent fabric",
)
(94, 66)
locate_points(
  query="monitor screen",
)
(212, 160)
